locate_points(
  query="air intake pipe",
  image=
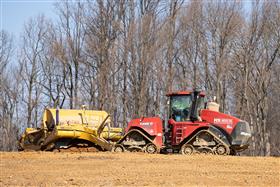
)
(193, 114)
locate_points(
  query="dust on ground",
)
(135, 169)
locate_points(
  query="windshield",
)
(180, 107)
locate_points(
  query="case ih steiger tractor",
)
(193, 127)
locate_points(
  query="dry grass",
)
(135, 169)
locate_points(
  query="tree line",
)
(123, 57)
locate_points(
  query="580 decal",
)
(146, 123)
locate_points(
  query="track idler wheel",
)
(221, 150)
(151, 148)
(187, 149)
(118, 148)
(205, 150)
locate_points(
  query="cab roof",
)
(187, 92)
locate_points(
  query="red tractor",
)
(194, 126)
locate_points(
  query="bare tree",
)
(52, 70)
(8, 95)
(32, 47)
(71, 33)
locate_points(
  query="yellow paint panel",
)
(92, 118)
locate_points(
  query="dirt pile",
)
(135, 169)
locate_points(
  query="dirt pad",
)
(135, 169)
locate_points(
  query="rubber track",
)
(216, 138)
(136, 130)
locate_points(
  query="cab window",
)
(180, 107)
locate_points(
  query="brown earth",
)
(135, 169)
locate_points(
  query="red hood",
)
(225, 121)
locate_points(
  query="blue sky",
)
(14, 13)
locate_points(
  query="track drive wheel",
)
(150, 148)
(118, 148)
(221, 150)
(187, 149)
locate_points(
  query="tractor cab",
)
(185, 105)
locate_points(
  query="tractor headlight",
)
(241, 134)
